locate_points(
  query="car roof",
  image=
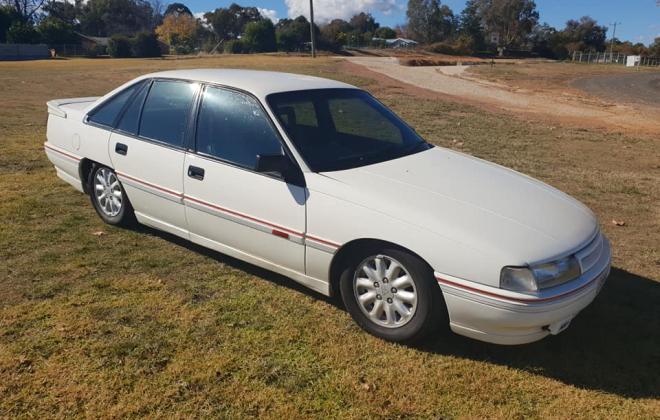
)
(257, 82)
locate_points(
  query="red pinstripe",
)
(61, 152)
(245, 216)
(521, 300)
(174, 193)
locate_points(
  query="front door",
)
(231, 207)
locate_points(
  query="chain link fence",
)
(612, 58)
(77, 50)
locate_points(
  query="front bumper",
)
(502, 317)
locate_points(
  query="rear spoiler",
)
(54, 106)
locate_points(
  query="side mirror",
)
(280, 165)
(272, 163)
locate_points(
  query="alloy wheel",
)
(385, 291)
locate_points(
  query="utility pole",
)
(613, 33)
(311, 27)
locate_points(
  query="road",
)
(630, 88)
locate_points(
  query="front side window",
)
(336, 129)
(107, 113)
(233, 127)
(165, 112)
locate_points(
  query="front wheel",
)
(109, 198)
(393, 295)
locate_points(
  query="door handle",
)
(196, 172)
(121, 149)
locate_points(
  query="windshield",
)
(336, 129)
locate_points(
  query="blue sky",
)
(640, 19)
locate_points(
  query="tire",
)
(426, 310)
(109, 198)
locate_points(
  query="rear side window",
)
(130, 121)
(233, 127)
(107, 113)
(165, 112)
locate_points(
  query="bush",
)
(145, 44)
(183, 49)
(260, 36)
(119, 46)
(464, 45)
(96, 51)
(235, 46)
(22, 33)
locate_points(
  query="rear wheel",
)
(109, 198)
(392, 294)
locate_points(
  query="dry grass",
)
(138, 323)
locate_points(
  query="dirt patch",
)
(636, 88)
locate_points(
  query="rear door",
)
(230, 206)
(147, 150)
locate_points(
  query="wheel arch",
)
(345, 251)
(85, 169)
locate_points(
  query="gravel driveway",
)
(618, 114)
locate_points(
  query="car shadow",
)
(612, 346)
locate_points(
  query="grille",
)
(590, 254)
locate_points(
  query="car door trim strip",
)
(133, 181)
(70, 156)
(469, 289)
(235, 216)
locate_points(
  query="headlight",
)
(542, 276)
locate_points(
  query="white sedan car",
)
(317, 180)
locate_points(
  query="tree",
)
(8, 16)
(470, 24)
(62, 10)
(543, 40)
(292, 34)
(334, 34)
(26, 9)
(429, 21)
(385, 32)
(512, 20)
(177, 9)
(229, 23)
(259, 36)
(584, 35)
(628, 48)
(53, 30)
(654, 48)
(178, 30)
(109, 17)
(363, 23)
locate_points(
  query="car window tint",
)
(356, 117)
(233, 127)
(107, 113)
(166, 110)
(129, 122)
